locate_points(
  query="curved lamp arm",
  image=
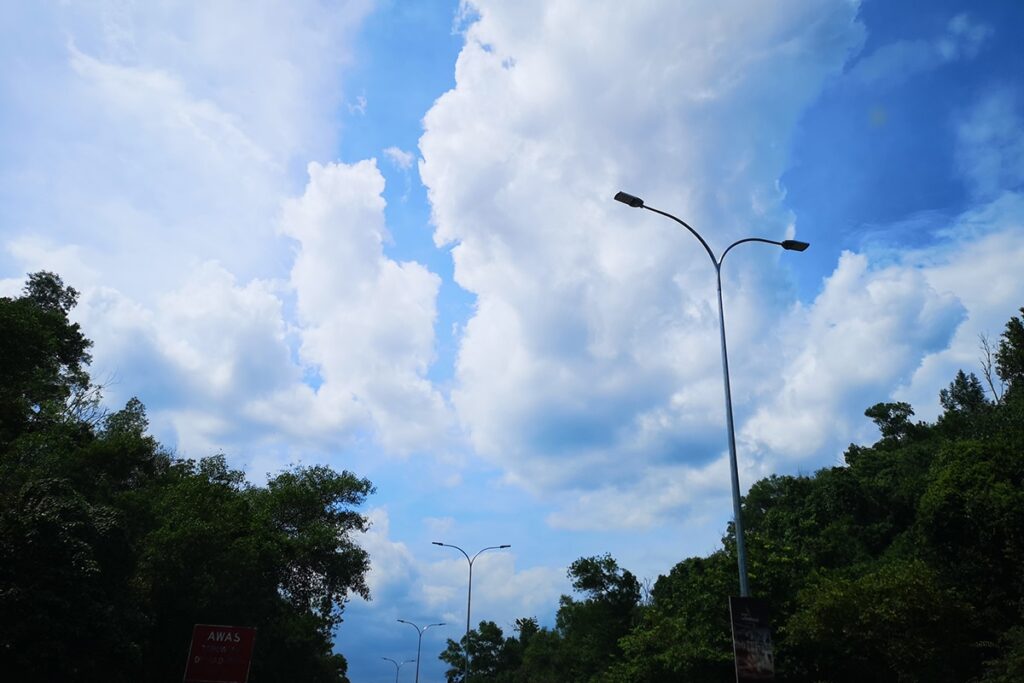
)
(637, 203)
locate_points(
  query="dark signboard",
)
(751, 640)
(219, 654)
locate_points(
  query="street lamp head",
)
(505, 546)
(437, 543)
(629, 199)
(794, 245)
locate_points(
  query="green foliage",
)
(964, 395)
(892, 419)
(684, 635)
(583, 645)
(493, 656)
(591, 627)
(42, 358)
(112, 549)
(893, 622)
(1008, 667)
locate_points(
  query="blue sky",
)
(380, 235)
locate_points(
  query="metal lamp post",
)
(398, 665)
(469, 594)
(419, 642)
(789, 245)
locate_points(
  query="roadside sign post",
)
(219, 654)
(752, 640)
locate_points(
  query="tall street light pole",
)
(419, 642)
(789, 245)
(398, 665)
(469, 594)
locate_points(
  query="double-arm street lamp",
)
(419, 642)
(789, 245)
(398, 665)
(469, 594)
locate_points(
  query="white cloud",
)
(200, 357)
(592, 355)
(367, 322)
(865, 333)
(216, 360)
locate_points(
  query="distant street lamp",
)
(398, 665)
(469, 595)
(419, 642)
(789, 245)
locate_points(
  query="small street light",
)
(419, 642)
(398, 665)
(469, 595)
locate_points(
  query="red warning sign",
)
(220, 654)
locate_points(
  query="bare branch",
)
(646, 592)
(987, 360)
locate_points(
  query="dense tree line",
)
(111, 548)
(906, 564)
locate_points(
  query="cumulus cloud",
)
(221, 365)
(199, 356)
(865, 333)
(592, 354)
(367, 322)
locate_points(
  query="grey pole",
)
(398, 665)
(419, 642)
(789, 245)
(741, 547)
(469, 593)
